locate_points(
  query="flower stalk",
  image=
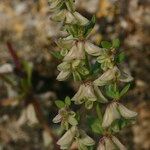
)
(78, 55)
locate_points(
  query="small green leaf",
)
(88, 28)
(120, 58)
(60, 104)
(125, 90)
(99, 114)
(96, 68)
(112, 91)
(95, 125)
(56, 54)
(116, 43)
(106, 44)
(68, 101)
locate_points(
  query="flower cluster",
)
(97, 83)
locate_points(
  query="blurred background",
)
(26, 28)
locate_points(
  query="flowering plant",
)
(100, 76)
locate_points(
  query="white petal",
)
(86, 140)
(70, 18)
(118, 143)
(57, 118)
(6, 68)
(110, 115)
(106, 77)
(67, 139)
(101, 146)
(55, 5)
(31, 115)
(63, 66)
(82, 20)
(76, 52)
(109, 144)
(125, 112)
(92, 49)
(79, 95)
(59, 16)
(63, 75)
(65, 43)
(126, 77)
(89, 93)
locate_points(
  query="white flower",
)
(69, 18)
(67, 139)
(112, 74)
(84, 141)
(76, 52)
(106, 59)
(110, 143)
(63, 75)
(6, 68)
(116, 111)
(107, 76)
(55, 5)
(88, 93)
(66, 117)
(126, 113)
(81, 19)
(110, 115)
(92, 49)
(65, 43)
(74, 67)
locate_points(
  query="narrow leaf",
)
(60, 104)
(125, 90)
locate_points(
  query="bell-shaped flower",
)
(110, 75)
(92, 49)
(110, 143)
(84, 141)
(66, 117)
(65, 44)
(69, 17)
(74, 67)
(116, 111)
(68, 138)
(88, 93)
(65, 71)
(107, 76)
(76, 52)
(55, 5)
